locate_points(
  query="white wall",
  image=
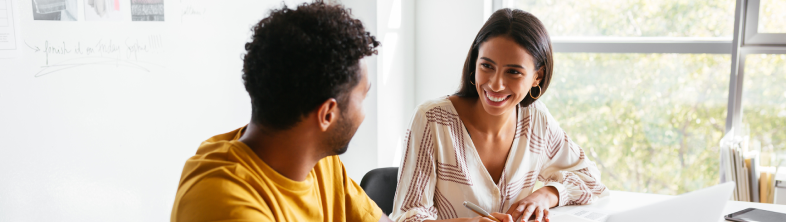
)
(396, 74)
(363, 146)
(444, 30)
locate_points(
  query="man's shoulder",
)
(215, 159)
(221, 170)
(219, 196)
(216, 185)
(215, 171)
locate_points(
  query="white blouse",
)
(441, 169)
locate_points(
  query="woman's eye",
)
(514, 72)
(485, 65)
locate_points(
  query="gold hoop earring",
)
(472, 75)
(539, 94)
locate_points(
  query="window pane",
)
(772, 16)
(633, 18)
(764, 106)
(652, 122)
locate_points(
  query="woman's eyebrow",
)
(487, 59)
(515, 66)
(509, 65)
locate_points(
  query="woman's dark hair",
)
(526, 30)
(299, 58)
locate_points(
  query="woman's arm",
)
(571, 178)
(567, 169)
(417, 175)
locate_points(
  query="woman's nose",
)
(496, 82)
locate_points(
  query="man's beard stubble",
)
(341, 135)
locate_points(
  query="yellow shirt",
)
(226, 181)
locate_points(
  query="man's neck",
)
(287, 152)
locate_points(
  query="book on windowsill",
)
(754, 183)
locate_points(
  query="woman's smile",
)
(495, 99)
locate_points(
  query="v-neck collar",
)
(474, 152)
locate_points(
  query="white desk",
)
(621, 200)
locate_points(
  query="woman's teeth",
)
(496, 99)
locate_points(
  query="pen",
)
(479, 211)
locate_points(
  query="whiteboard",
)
(97, 117)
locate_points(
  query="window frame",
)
(748, 42)
(752, 35)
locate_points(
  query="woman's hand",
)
(537, 204)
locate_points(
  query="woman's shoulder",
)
(440, 108)
(441, 103)
(537, 106)
(539, 110)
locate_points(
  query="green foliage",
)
(652, 122)
(634, 18)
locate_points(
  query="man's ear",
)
(538, 77)
(327, 114)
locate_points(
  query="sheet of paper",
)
(582, 214)
(7, 30)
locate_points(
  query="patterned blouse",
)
(441, 169)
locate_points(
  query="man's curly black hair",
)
(297, 59)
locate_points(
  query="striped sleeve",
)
(417, 177)
(566, 168)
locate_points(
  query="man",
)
(304, 74)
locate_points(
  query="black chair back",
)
(380, 186)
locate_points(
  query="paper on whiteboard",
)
(7, 31)
(103, 10)
(147, 10)
(55, 10)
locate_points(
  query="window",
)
(645, 119)
(764, 105)
(759, 105)
(649, 88)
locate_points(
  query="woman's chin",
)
(495, 110)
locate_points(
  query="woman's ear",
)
(538, 77)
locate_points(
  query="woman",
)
(489, 142)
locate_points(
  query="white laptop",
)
(698, 206)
